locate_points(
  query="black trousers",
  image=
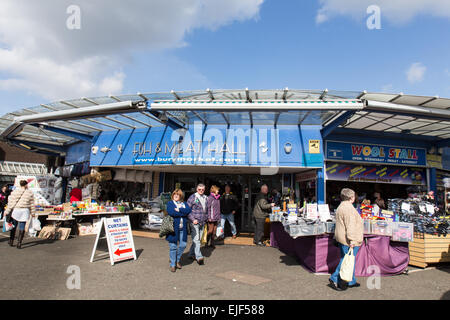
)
(259, 230)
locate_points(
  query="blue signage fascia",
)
(374, 153)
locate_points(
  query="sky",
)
(68, 49)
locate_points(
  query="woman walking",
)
(349, 233)
(177, 240)
(197, 219)
(21, 204)
(213, 210)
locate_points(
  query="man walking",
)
(261, 211)
(228, 206)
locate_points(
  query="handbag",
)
(204, 239)
(347, 266)
(166, 226)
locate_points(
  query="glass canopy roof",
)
(361, 119)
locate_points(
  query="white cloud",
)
(416, 72)
(397, 12)
(39, 54)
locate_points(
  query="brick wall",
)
(11, 153)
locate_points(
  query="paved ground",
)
(39, 271)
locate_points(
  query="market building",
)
(309, 142)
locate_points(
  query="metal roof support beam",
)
(330, 127)
(405, 110)
(428, 101)
(169, 122)
(65, 132)
(324, 93)
(200, 117)
(285, 92)
(175, 95)
(226, 120)
(247, 95)
(396, 97)
(361, 94)
(260, 105)
(83, 112)
(211, 96)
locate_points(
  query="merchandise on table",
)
(423, 214)
(402, 231)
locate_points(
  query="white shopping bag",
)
(219, 232)
(7, 226)
(35, 224)
(347, 266)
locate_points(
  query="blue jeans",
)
(196, 233)
(21, 225)
(344, 249)
(176, 250)
(230, 218)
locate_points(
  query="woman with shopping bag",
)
(349, 234)
(179, 211)
(20, 206)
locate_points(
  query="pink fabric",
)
(319, 255)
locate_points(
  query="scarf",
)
(202, 200)
(216, 196)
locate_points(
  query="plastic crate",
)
(330, 227)
(367, 226)
(381, 228)
(402, 231)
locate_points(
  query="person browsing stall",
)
(179, 210)
(20, 206)
(349, 233)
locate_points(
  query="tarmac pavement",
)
(231, 272)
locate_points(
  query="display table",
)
(318, 254)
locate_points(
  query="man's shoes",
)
(173, 269)
(178, 265)
(356, 285)
(334, 286)
(234, 236)
(201, 261)
(261, 244)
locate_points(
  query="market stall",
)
(309, 237)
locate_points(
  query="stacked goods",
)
(423, 214)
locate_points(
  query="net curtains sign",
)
(259, 146)
(378, 174)
(375, 153)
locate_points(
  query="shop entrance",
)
(245, 186)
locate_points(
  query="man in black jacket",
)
(261, 211)
(228, 207)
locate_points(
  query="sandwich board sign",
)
(117, 232)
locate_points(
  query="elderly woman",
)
(21, 204)
(349, 233)
(179, 210)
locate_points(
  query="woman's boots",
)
(19, 241)
(12, 235)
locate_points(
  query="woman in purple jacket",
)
(213, 210)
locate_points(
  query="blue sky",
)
(281, 45)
